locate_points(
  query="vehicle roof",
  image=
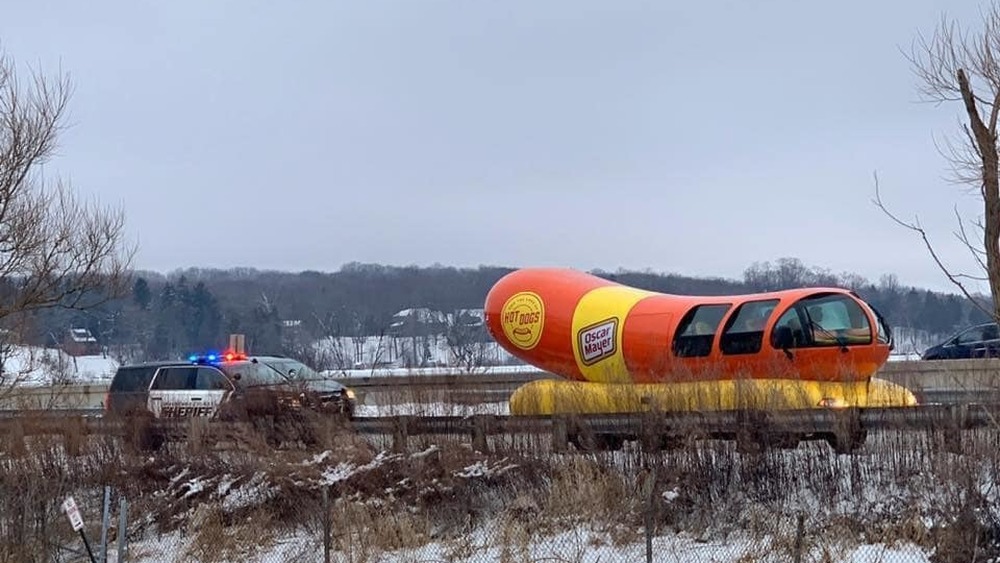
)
(152, 364)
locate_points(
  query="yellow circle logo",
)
(522, 318)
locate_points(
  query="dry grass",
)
(224, 495)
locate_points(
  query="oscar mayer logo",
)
(597, 341)
(522, 317)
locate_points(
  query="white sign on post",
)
(73, 513)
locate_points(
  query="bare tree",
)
(56, 249)
(466, 340)
(954, 65)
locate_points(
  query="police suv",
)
(210, 385)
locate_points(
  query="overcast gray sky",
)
(692, 137)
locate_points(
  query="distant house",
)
(471, 318)
(428, 322)
(418, 322)
(80, 342)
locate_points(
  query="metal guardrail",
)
(962, 417)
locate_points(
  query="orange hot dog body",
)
(582, 327)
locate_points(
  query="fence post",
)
(560, 438)
(648, 486)
(479, 431)
(327, 525)
(105, 523)
(400, 434)
(799, 536)
(122, 527)
(953, 429)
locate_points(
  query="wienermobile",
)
(620, 349)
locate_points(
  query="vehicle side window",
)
(211, 379)
(990, 332)
(132, 379)
(977, 334)
(744, 332)
(788, 331)
(180, 378)
(696, 330)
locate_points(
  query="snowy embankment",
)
(36, 366)
(447, 503)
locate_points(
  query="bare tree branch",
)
(915, 227)
(956, 65)
(56, 249)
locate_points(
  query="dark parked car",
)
(980, 341)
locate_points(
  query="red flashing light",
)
(233, 356)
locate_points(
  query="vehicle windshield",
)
(825, 319)
(291, 369)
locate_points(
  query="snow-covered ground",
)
(366, 352)
(34, 366)
(580, 545)
(515, 531)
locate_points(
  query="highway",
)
(956, 396)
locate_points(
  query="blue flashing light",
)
(209, 358)
(217, 357)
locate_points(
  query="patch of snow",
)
(194, 486)
(431, 449)
(318, 458)
(478, 469)
(432, 409)
(225, 483)
(484, 469)
(36, 366)
(255, 491)
(341, 472)
(881, 553)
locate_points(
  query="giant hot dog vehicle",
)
(621, 349)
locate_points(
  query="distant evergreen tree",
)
(141, 293)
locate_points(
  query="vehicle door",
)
(187, 391)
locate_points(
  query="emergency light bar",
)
(212, 358)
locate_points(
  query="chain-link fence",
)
(903, 497)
